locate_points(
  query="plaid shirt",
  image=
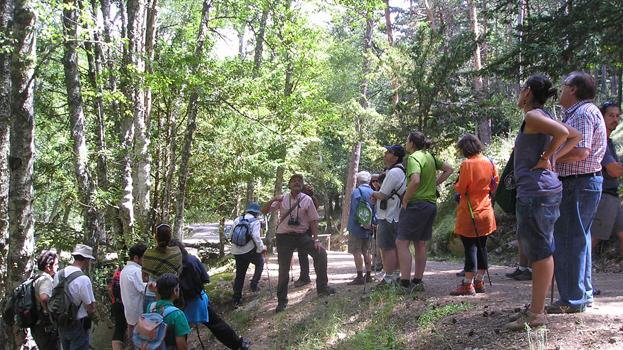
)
(587, 119)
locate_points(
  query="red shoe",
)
(464, 289)
(479, 286)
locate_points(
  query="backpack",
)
(21, 308)
(241, 233)
(363, 213)
(506, 192)
(151, 332)
(115, 287)
(63, 312)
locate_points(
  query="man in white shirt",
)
(132, 286)
(76, 335)
(388, 199)
(250, 253)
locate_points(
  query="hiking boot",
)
(356, 282)
(280, 307)
(464, 289)
(558, 308)
(479, 286)
(368, 278)
(525, 275)
(460, 273)
(326, 291)
(514, 273)
(527, 317)
(301, 282)
(245, 344)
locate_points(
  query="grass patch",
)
(435, 313)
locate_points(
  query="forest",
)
(120, 115)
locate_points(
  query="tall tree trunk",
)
(259, 41)
(430, 14)
(390, 41)
(171, 159)
(356, 152)
(141, 166)
(191, 125)
(150, 38)
(93, 219)
(6, 15)
(484, 123)
(22, 147)
(273, 221)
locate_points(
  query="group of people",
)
(165, 279)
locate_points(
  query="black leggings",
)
(475, 257)
(222, 331)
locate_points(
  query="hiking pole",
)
(551, 296)
(471, 215)
(199, 337)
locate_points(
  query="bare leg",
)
(367, 259)
(358, 262)
(542, 272)
(404, 258)
(420, 258)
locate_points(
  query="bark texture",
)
(484, 122)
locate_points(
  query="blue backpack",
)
(241, 233)
(150, 331)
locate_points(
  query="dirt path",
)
(479, 327)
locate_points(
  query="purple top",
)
(528, 150)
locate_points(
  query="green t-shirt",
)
(423, 163)
(175, 319)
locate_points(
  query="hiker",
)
(250, 252)
(475, 219)
(161, 259)
(297, 214)
(581, 176)
(80, 291)
(44, 333)
(609, 217)
(197, 305)
(388, 201)
(304, 278)
(360, 229)
(168, 291)
(132, 287)
(539, 191)
(419, 208)
(117, 311)
(377, 261)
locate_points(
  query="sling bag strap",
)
(290, 210)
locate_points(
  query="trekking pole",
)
(471, 215)
(270, 287)
(199, 337)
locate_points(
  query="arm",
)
(413, 185)
(446, 171)
(574, 155)
(44, 301)
(180, 343)
(255, 234)
(378, 195)
(614, 169)
(267, 207)
(90, 309)
(537, 122)
(137, 282)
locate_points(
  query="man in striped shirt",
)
(580, 173)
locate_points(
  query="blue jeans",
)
(76, 336)
(572, 233)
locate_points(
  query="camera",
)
(293, 222)
(383, 204)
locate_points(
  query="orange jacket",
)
(475, 180)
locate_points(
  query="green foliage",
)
(435, 313)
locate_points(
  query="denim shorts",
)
(416, 222)
(536, 217)
(386, 234)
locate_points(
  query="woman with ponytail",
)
(541, 140)
(161, 259)
(419, 208)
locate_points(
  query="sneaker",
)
(527, 317)
(525, 275)
(464, 289)
(245, 344)
(460, 273)
(558, 308)
(356, 282)
(479, 286)
(280, 307)
(301, 282)
(326, 291)
(514, 273)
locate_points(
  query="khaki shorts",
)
(358, 245)
(608, 218)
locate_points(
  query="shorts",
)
(608, 218)
(416, 222)
(120, 323)
(536, 217)
(358, 245)
(386, 234)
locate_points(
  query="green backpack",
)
(363, 213)
(63, 313)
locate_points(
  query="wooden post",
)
(221, 238)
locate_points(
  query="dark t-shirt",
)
(611, 184)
